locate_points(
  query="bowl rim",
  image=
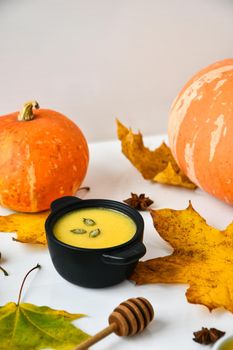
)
(85, 203)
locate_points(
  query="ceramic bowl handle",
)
(124, 257)
(63, 202)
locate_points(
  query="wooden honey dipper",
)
(129, 318)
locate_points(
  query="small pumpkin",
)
(201, 129)
(43, 156)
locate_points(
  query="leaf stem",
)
(85, 188)
(4, 271)
(21, 288)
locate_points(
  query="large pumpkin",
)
(201, 129)
(43, 156)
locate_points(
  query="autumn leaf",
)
(25, 326)
(171, 175)
(29, 227)
(157, 165)
(202, 258)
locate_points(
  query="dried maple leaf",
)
(158, 165)
(29, 227)
(202, 257)
(207, 336)
(170, 176)
(25, 326)
(140, 202)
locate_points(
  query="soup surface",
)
(94, 228)
(228, 345)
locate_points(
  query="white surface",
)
(95, 60)
(111, 176)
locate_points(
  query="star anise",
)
(139, 202)
(207, 336)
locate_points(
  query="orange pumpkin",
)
(43, 156)
(201, 129)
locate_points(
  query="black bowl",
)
(94, 268)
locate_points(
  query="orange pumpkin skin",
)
(201, 129)
(40, 160)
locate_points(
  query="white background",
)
(95, 60)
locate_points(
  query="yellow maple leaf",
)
(157, 165)
(29, 227)
(202, 257)
(170, 176)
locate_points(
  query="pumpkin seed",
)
(89, 222)
(94, 233)
(78, 230)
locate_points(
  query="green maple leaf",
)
(25, 326)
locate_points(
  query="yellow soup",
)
(94, 228)
(228, 345)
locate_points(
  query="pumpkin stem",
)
(26, 112)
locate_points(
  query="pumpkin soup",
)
(94, 228)
(227, 345)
